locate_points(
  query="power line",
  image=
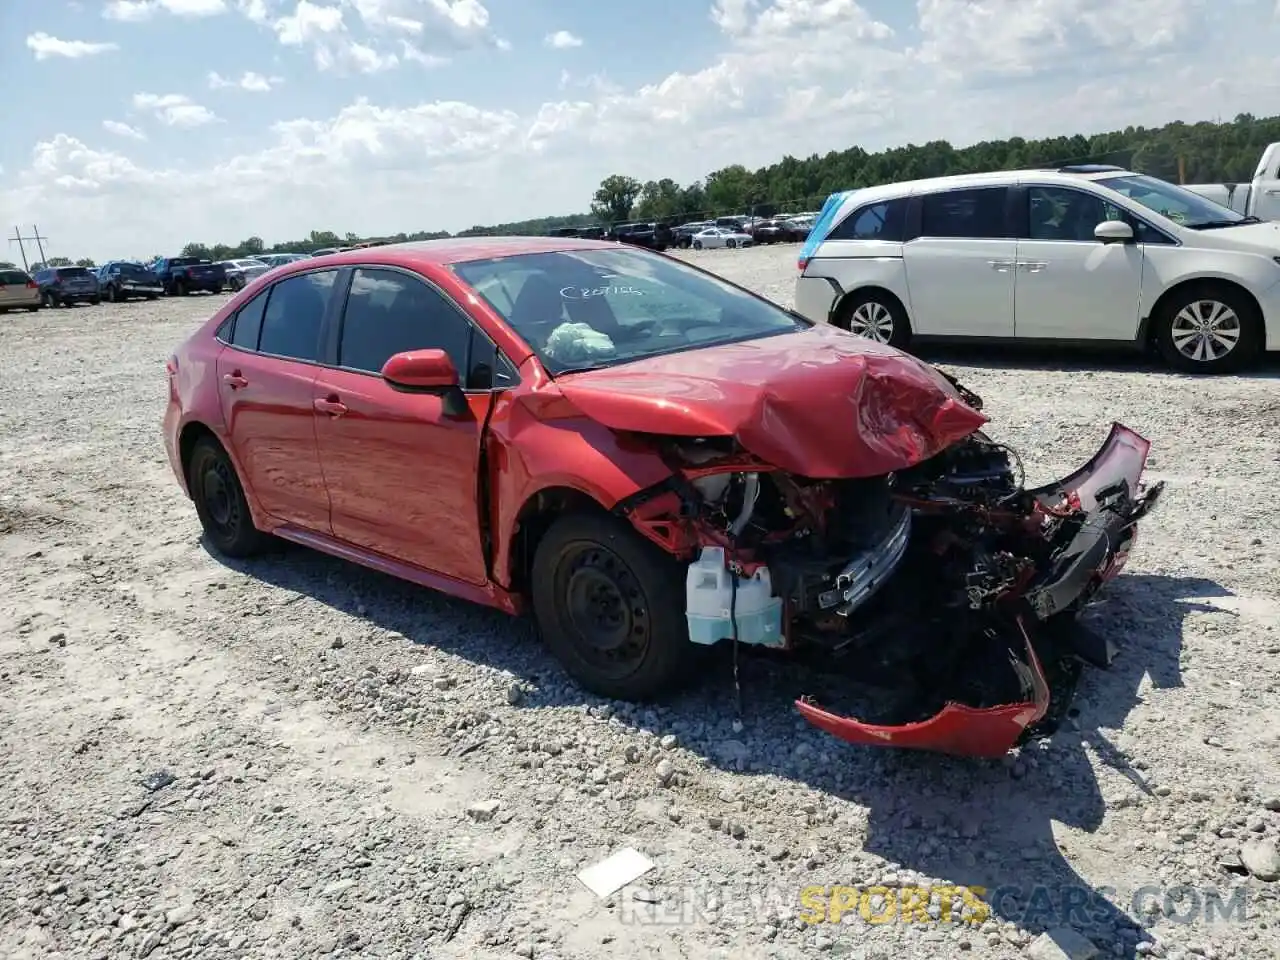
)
(35, 235)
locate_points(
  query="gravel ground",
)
(296, 758)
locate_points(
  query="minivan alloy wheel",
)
(1205, 330)
(872, 320)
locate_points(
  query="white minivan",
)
(1078, 254)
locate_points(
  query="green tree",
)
(85, 262)
(59, 262)
(197, 250)
(615, 197)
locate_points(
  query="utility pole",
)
(35, 235)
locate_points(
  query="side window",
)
(880, 221)
(248, 322)
(1143, 232)
(490, 370)
(1060, 213)
(295, 311)
(977, 214)
(390, 312)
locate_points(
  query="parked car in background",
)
(18, 291)
(798, 228)
(183, 275)
(325, 251)
(280, 259)
(714, 237)
(643, 456)
(1065, 255)
(1259, 198)
(682, 236)
(778, 230)
(240, 273)
(593, 231)
(655, 236)
(121, 280)
(64, 286)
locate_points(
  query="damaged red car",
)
(652, 460)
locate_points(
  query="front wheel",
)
(697, 244)
(875, 316)
(1209, 330)
(610, 607)
(220, 501)
(112, 296)
(95, 300)
(48, 300)
(731, 244)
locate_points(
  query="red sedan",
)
(652, 460)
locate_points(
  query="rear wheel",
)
(220, 501)
(610, 607)
(731, 244)
(95, 300)
(697, 244)
(112, 295)
(49, 300)
(1209, 329)
(876, 316)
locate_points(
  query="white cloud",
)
(249, 81)
(45, 46)
(134, 11)
(123, 130)
(174, 109)
(790, 76)
(562, 40)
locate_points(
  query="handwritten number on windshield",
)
(586, 293)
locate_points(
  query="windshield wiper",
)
(585, 368)
(1216, 224)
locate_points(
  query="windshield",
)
(597, 308)
(1181, 206)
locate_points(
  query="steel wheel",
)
(1205, 331)
(604, 609)
(872, 320)
(220, 501)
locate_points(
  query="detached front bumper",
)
(1094, 514)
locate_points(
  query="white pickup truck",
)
(1260, 199)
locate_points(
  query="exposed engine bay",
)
(949, 583)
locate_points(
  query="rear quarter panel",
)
(858, 264)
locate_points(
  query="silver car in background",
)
(240, 273)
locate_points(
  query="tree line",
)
(1205, 152)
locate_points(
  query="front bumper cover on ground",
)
(1107, 489)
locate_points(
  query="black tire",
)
(1205, 301)
(95, 300)
(638, 647)
(34, 309)
(182, 288)
(151, 296)
(112, 295)
(697, 244)
(731, 244)
(49, 300)
(868, 308)
(220, 501)
(218, 288)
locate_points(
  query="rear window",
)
(13, 276)
(185, 261)
(133, 270)
(72, 272)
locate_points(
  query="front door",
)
(402, 474)
(960, 268)
(1070, 285)
(266, 383)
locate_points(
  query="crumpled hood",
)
(820, 403)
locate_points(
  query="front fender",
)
(528, 455)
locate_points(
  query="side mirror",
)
(426, 371)
(1113, 231)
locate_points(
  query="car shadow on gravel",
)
(975, 824)
(1023, 356)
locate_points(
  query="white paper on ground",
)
(615, 872)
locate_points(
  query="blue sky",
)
(147, 123)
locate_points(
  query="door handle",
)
(1001, 266)
(1033, 266)
(234, 380)
(1273, 192)
(331, 405)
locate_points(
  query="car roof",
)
(906, 188)
(451, 250)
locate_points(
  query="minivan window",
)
(390, 312)
(974, 214)
(1060, 213)
(295, 312)
(886, 220)
(8, 277)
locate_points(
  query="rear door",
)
(265, 379)
(960, 263)
(402, 474)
